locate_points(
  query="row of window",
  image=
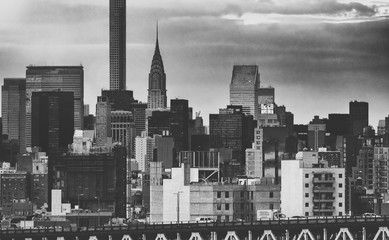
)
(249, 195)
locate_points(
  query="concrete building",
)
(50, 78)
(117, 44)
(219, 201)
(380, 170)
(144, 146)
(311, 188)
(121, 122)
(267, 108)
(164, 151)
(157, 81)
(13, 185)
(244, 86)
(39, 179)
(82, 141)
(13, 110)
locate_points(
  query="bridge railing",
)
(197, 225)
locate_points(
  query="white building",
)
(82, 141)
(311, 188)
(144, 146)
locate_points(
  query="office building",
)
(13, 110)
(52, 120)
(359, 114)
(267, 115)
(86, 177)
(164, 150)
(231, 128)
(311, 188)
(50, 78)
(120, 126)
(157, 81)
(144, 146)
(316, 133)
(244, 86)
(159, 123)
(179, 124)
(117, 44)
(103, 122)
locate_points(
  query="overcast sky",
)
(318, 54)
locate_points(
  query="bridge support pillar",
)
(324, 234)
(249, 235)
(126, 237)
(213, 236)
(384, 231)
(267, 235)
(286, 234)
(160, 236)
(231, 235)
(344, 232)
(143, 236)
(196, 236)
(178, 236)
(305, 235)
(92, 238)
(363, 233)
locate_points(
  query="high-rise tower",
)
(14, 110)
(157, 81)
(117, 44)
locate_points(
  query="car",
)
(297, 217)
(204, 220)
(371, 215)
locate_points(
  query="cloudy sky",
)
(318, 54)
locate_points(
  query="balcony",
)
(328, 209)
(317, 189)
(323, 180)
(323, 200)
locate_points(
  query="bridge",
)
(336, 228)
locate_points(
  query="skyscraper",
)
(49, 78)
(117, 44)
(244, 88)
(359, 113)
(14, 110)
(157, 81)
(52, 120)
(103, 121)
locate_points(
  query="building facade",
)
(50, 78)
(117, 44)
(103, 121)
(13, 110)
(144, 146)
(309, 188)
(52, 120)
(244, 86)
(157, 81)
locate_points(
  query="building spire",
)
(157, 43)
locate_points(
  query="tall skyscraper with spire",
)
(157, 81)
(117, 44)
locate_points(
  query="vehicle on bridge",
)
(269, 214)
(205, 220)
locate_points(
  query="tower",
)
(244, 88)
(117, 44)
(14, 110)
(52, 120)
(359, 113)
(50, 78)
(157, 81)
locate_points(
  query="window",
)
(242, 194)
(307, 214)
(340, 195)
(340, 175)
(340, 185)
(219, 194)
(306, 194)
(340, 204)
(306, 175)
(307, 185)
(219, 206)
(242, 206)
(227, 218)
(227, 194)
(227, 206)
(306, 204)
(270, 194)
(271, 206)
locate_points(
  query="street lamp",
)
(78, 212)
(98, 210)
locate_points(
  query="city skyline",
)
(332, 52)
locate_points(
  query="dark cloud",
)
(302, 7)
